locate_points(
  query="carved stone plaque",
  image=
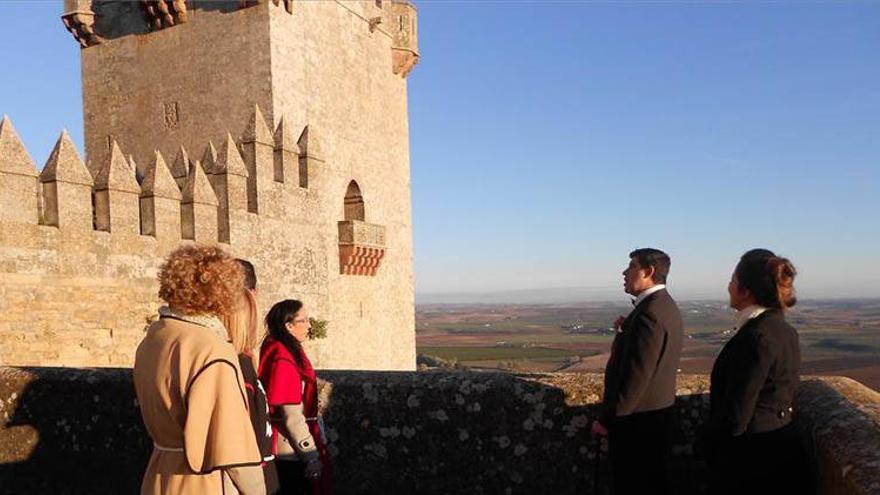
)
(171, 112)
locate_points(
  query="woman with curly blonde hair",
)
(189, 383)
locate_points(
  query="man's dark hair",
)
(250, 275)
(650, 257)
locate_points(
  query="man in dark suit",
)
(640, 379)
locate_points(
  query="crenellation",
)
(117, 174)
(311, 155)
(180, 167)
(312, 103)
(257, 150)
(198, 209)
(66, 188)
(117, 203)
(18, 178)
(230, 181)
(158, 181)
(286, 157)
(160, 200)
(209, 159)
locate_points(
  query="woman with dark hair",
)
(750, 441)
(292, 393)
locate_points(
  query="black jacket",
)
(640, 374)
(754, 378)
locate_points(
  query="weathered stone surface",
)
(287, 155)
(117, 174)
(65, 165)
(843, 419)
(79, 20)
(326, 68)
(66, 189)
(159, 182)
(257, 130)
(181, 166)
(309, 143)
(405, 47)
(229, 160)
(412, 432)
(209, 158)
(14, 158)
(198, 188)
(67, 431)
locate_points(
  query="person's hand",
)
(619, 322)
(313, 469)
(598, 430)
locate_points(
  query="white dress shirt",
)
(647, 292)
(744, 315)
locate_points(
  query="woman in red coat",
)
(292, 393)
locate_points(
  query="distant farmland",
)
(837, 337)
(464, 354)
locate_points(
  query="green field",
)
(465, 354)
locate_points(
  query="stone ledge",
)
(842, 418)
(422, 432)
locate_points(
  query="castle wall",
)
(339, 77)
(263, 116)
(427, 432)
(185, 85)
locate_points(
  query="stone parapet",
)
(414, 432)
(841, 417)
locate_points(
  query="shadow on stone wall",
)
(68, 431)
(465, 432)
(71, 431)
(115, 19)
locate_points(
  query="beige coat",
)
(192, 399)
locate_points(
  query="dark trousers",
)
(639, 446)
(291, 478)
(761, 463)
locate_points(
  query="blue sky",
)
(551, 138)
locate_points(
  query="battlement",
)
(91, 22)
(96, 230)
(276, 128)
(191, 200)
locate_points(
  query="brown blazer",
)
(640, 374)
(193, 401)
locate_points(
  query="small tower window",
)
(354, 203)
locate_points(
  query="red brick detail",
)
(360, 260)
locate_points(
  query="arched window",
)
(354, 203)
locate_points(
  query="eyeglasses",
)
(300, 320)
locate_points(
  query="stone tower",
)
(277, 128)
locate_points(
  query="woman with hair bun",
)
(750, 442)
